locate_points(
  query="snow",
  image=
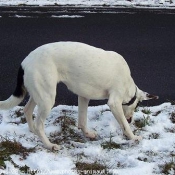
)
(89, 3)
(67, 16)
(144, 157)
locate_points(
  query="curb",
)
(48, 11)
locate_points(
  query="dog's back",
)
(86, 70)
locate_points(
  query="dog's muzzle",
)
(129, 120)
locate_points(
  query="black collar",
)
(132, 99)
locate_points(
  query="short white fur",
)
(89, 72)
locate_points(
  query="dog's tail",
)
(18, 95)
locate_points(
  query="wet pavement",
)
(145, 39)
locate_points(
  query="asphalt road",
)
(146, 40)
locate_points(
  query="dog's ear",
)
(146, 96)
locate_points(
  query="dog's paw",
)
(90, 134)
(137, 138)
(53, 147)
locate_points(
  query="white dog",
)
(89, 72)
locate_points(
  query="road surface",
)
(146, 40)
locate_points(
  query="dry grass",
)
(91, 168)
(9, 147)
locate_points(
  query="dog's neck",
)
(132, 99)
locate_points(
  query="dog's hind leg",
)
(43, 112)
(44, 96)
(28, 112)
(82, 117)
(42, 89)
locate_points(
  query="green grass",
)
(140, 123)
(111, 145)
(168, 166)
(146, 111)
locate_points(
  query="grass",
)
(91, 168)
(172, 117)
(154, 136)
(151, 153)
(19, 114)
(156, 113)
(110, 144)
(142, 159)
(142, 122)
(171, 101)
(168, 166)
(146, 111)
(25, 169)
(68, 132)
(171, 130)
(65, 122)
(8, 148)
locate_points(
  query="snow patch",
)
(130, 157)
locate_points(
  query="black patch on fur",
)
(132, 99)
(19, 91)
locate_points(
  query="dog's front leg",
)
(116, 108)
(82, 117)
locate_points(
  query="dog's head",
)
(130, 107)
